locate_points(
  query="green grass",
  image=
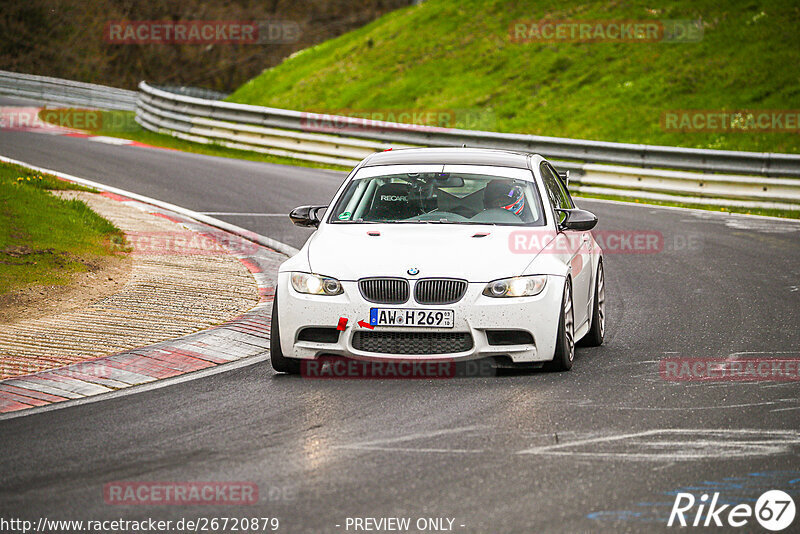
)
(445, 55)
(45, 239)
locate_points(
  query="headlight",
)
(313, 284)
(519, 286)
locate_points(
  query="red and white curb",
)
(27, 119)
(244, 337)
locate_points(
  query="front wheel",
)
(565, 340)
(280, 363)
(594, 338)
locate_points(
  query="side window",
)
(566, 199)
(555, 191)
(550, 186)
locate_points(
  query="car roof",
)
(450, 156)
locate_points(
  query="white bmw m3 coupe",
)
(437, 254)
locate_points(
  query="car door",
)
(575, 243)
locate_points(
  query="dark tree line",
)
(65, 38)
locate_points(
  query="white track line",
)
(234, 214)
(118, 141)
(376, 445)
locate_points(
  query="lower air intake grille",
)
(319, 335)
(509, 337)
(412, 342)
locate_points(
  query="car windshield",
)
(436, 197)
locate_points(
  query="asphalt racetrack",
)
(605, 447)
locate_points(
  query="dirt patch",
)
(104, 277)
(20, 253)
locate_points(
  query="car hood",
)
(348, 252)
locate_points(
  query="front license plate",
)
(411, 317)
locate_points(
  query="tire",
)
(280, 363)
(565, 338)
(594, 338)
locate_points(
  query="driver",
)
(505, 195)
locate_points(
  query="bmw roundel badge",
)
(413, 271)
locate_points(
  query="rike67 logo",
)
(774, 510)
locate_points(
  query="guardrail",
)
(197, 92)
(725, 161)
(229, 125)
(636, 170)
(689, 187)
(694, 176)
(59, 91)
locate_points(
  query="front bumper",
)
(475, 314)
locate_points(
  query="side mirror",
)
(307, 216)
(578, 220)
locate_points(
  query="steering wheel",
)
(496, 215)
(436, 215)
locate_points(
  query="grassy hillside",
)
(444, 55)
